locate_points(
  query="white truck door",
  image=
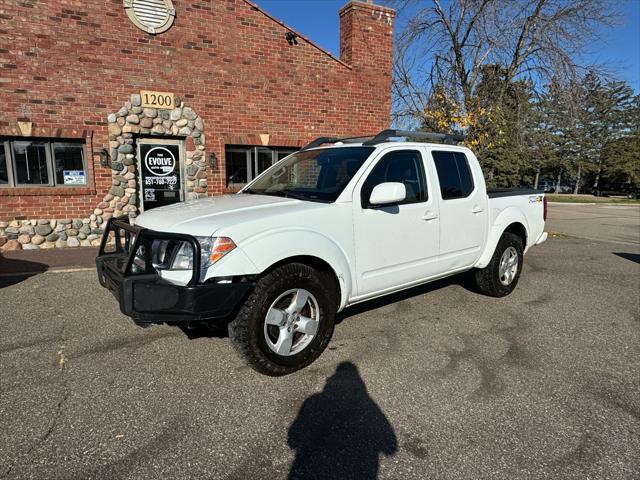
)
(463, 208)
(395, 244)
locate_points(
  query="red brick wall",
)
(66, 64)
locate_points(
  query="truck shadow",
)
(465, 280)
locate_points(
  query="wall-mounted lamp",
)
(213, 160)
(291, 38)
(104, 157)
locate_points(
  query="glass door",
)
(161, 176)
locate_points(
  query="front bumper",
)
(145, 296)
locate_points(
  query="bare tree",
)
(446, 43)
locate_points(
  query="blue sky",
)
(618, 48)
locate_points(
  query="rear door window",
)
(454, 174)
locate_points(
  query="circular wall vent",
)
(152, 16)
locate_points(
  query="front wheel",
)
(632, 195)
(287, 321)
(500, 277)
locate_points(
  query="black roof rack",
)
(322, 140)
(385, 135)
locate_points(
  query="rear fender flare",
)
(505, 218)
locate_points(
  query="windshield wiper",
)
(297, 196)
(281, 193)
(286, 194)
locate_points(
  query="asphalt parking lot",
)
(436, 382)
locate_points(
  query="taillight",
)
(544, 208)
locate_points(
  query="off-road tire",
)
(488, 278)
(246, 331)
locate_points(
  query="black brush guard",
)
(144, 295)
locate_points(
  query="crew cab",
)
(339, 222)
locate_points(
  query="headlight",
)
(183, 259)
(177, 255)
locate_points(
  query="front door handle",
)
(477, 209)
(429, 215)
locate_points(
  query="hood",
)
(204, 216)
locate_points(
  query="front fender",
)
(265, 249)
(505, 218)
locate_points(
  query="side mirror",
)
(388, 192)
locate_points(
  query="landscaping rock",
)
(73, 242)
(37, 239)
(43, 230)
(11, 246)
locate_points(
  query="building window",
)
(243, 163)
(42, 163)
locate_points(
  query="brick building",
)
(215, 89)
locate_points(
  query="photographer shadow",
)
(340, 432)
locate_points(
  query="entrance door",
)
(160, 167)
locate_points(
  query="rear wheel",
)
(500, 277)
(632, 195)
(287, 321)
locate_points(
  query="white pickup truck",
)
(339, 222)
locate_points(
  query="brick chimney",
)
(366, 36)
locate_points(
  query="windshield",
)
(315, 175)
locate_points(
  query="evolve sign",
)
(160, 174)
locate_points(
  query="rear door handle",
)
(429, 215)
(477, 209)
